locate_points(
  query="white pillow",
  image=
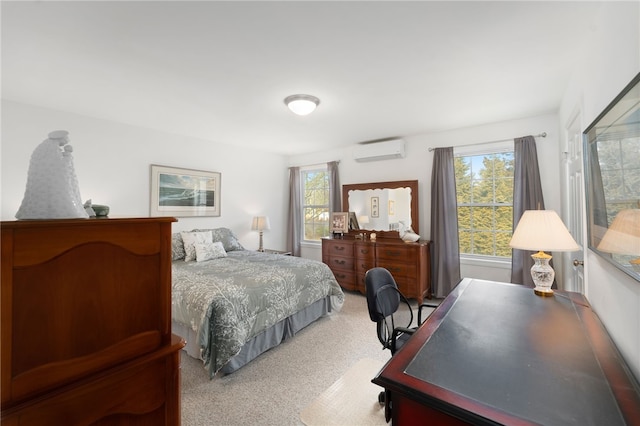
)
(190, 239)
(209, 251)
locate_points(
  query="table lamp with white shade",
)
(260, 223)
(542, 230)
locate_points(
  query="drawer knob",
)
(338, 247)
(339, 262)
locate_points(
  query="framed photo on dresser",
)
(340, 222)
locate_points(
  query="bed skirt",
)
(262, 342)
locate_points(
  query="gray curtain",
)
(445, 251)
(335, 191)
(598, 210)
(295, 212)
(527, 195)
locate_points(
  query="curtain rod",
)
(540, 135)
(316, 164)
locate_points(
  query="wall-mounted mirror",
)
(383, 207)
(612, 164)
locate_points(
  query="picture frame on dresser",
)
(180, 192)
(340, 222)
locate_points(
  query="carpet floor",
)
(274, 388)
(350, 400)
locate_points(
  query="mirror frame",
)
(591, 136)
(415, 213)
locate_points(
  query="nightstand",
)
(284, 253)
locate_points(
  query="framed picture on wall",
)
(184, 192)
(375, 206)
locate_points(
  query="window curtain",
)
(335, 193)
(527, 195)
(445, 254)
(295, 212)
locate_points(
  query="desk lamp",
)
(542, 230)
(623, 236)
(260, 223)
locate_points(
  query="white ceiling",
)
(220, 70)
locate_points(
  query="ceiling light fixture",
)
(301, 104)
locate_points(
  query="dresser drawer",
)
(408, 286)
(338, 248)
(340, 263)
(398, 269)
(345, 278)
(396, 252)
(365, 251)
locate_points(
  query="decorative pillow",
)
(209, 251)
(177, 246)
(225, 236)
(190, 239)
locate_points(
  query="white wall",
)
(611, 63)
(418, 165)
(112, 164)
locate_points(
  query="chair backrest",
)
(383, 299)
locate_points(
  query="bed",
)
(232, 304)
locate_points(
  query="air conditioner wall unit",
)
(375, 151)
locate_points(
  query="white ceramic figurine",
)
(52, 186)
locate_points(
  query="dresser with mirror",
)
(384, 209)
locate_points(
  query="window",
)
(620, 172)
(315, 203)
(484, 190)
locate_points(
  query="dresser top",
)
(17, 224)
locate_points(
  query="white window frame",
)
(485, 149)
(316, 167)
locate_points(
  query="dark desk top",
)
(498, 352)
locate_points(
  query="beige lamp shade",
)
(260, 223)
(363, 219)
(623, 235)
(542, 230)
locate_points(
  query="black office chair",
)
(383, 302)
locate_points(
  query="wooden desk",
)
(495, 353)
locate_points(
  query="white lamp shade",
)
(623, 236)
(542, 230)
(363, 219)
(260, 223)
(302, 104)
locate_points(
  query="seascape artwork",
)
(178, 190)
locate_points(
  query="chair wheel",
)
(381, 398)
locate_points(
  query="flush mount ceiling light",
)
(301, 104)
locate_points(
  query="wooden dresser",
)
(86, 323)
(409, 263)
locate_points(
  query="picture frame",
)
(353, 222)
(375, 206)
(183, 192)
(340, 222)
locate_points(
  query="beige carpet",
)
(351, 401)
